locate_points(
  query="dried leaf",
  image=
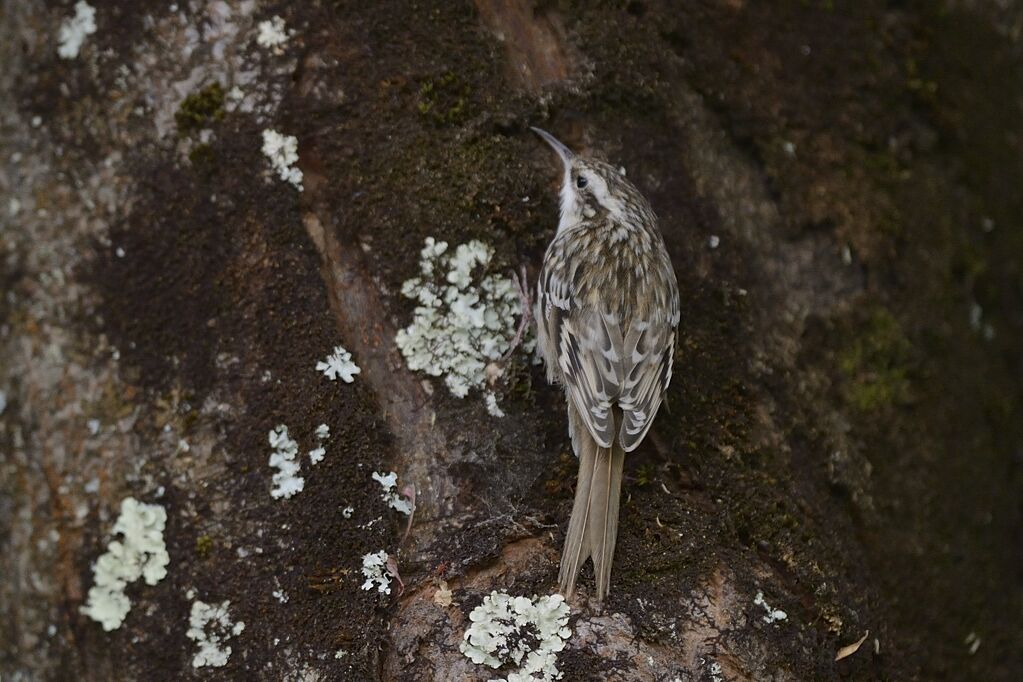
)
(392, 570)
(851, 649)
(442, 597)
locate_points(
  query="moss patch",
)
(875, 363)
(203, 546)
(202, 158)
(200, 109)
(445, 99)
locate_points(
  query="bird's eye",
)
(581, 182)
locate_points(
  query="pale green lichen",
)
(390, 495)
(209, 626)
(520, 632)
(282, 151)
(273, 34)
(74, 30)
(141, 554)
(771, 615)
(374, 569)
(465, 318)
(339, 365)
(286, 481)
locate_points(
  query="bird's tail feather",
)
(593, 527)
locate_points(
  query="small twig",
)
(510, 519)
(409, 491)
(526, 303)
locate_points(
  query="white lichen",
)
(286, 481)
(322, 433)
(520, 632)
(492, 407)
(339, 364)
(772, 615)
(209, 626)
(348, 511)
(464, 319)
(74, 30)
(390, 495)
(370, 524)
(282, 150)
(273, 34)
(374, 569)
(140, 554)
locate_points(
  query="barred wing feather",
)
(601, 366)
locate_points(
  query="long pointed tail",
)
(593, 528)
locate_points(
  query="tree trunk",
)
(839, 457)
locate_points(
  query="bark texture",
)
(838, 184)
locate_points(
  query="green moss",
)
(202, 157)
(199, 109)
(645, 475)
(444, 100)
(875, 363)
(203, 546)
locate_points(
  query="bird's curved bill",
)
(564, 152)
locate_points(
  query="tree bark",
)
(838, 188)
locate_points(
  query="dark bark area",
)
(843, 434)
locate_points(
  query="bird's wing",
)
(589, 347)
(652, 350)
(601, 365)
(576, 339)
(649, 352)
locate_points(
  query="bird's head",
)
(594, 190)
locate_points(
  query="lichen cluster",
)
(74, 30)
(465, 317)
(286, 481)
(520, 632)
(210, 626)
(282, 151)
(339, 365)
(374, 570)
(389, 483)
(141, 554)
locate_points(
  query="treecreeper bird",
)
(607, 309)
